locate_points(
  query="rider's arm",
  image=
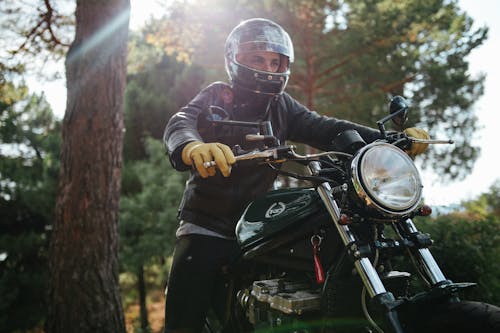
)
(319, 131)
(182, 127)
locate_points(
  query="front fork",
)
(363, 265)
(426, 259)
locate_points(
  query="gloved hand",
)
(197, 153)
(417, 148)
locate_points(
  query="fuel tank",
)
(278, 227)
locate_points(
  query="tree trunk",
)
(83, 262)
(141, 284)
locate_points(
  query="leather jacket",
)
(216, 203)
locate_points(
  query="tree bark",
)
(141, 285)
(83, 289)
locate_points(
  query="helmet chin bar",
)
(259, 82)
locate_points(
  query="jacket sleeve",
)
(316, 130)
(182, 128)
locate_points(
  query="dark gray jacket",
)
(216, 203)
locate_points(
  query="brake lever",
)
(256, 154)
(431, 141)
(265, 154)
(403, 141)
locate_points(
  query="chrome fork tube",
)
(426, 259)
(364, 267)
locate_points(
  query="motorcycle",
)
(343, 254)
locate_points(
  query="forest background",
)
(352, 56)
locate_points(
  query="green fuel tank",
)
(278, 212)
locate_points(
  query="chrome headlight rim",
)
(371, 200)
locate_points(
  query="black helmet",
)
(258, 35)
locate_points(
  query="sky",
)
(484, 59)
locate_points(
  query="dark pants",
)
(196, 265)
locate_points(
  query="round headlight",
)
(387, 179)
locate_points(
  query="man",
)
(258, 54)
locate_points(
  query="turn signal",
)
(345, 220)
(425, 210)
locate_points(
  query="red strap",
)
(318, 268)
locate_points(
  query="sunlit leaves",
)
(175, 36)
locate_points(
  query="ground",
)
(156, 314)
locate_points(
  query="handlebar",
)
(285, 153)
(279, 155)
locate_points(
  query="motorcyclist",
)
(258, 54)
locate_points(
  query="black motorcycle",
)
(343, 254)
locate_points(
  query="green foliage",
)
(157, 87)
(148, 215)
(23, 276)
(151, 190)
(468, 250)
(28, 169)
(487, 203)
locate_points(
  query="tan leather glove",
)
(196, 153)
(417, 148)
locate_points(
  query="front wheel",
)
(459, 317)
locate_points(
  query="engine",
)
(278, 302)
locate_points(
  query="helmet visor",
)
(250, 47)
(264, 61)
